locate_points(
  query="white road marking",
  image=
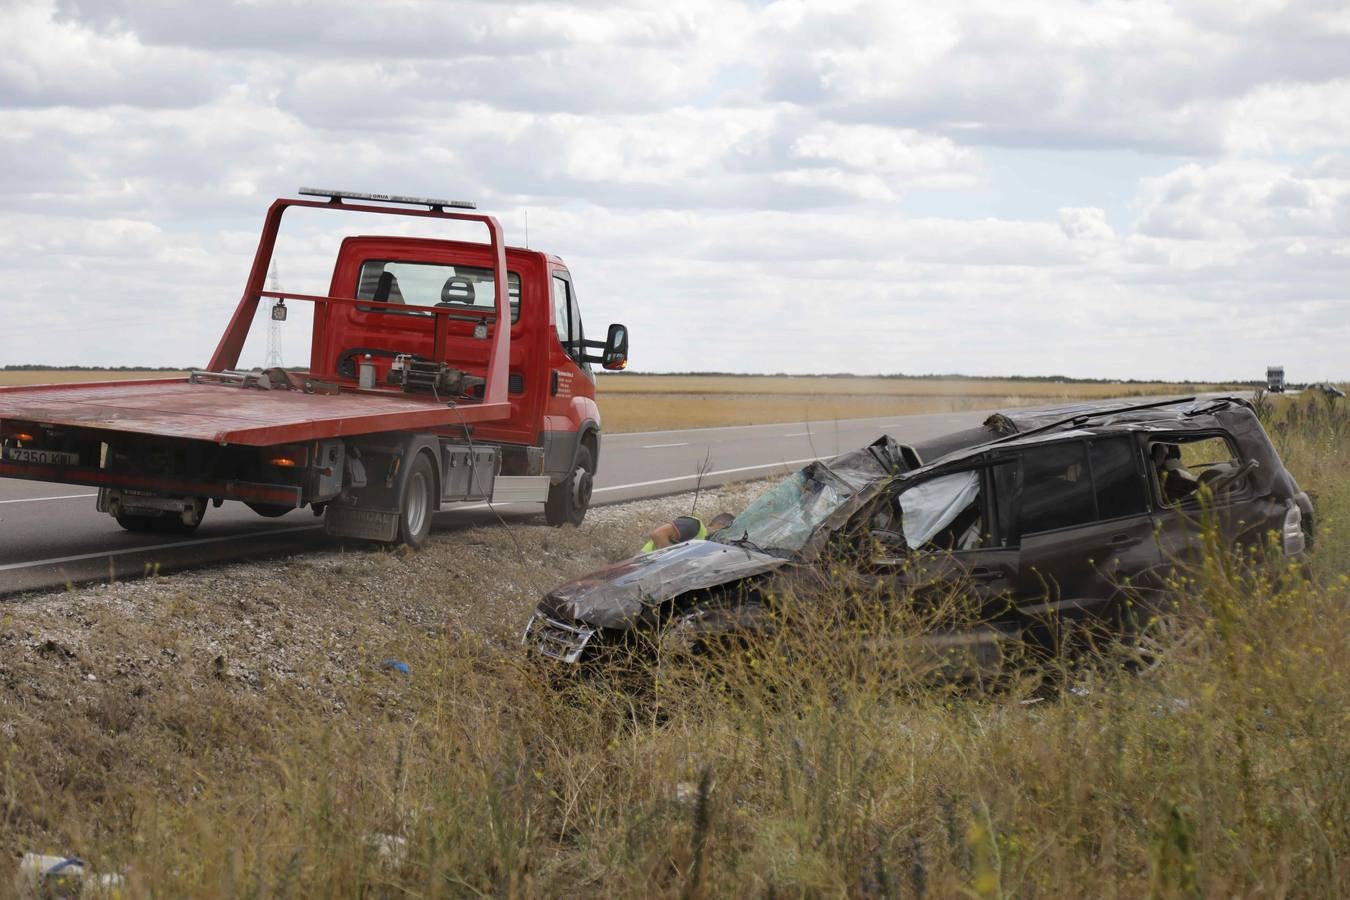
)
(62, 497)
(654, 446)
(56, 561)
(798, 434)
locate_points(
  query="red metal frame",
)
(495, 404)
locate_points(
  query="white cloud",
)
(46, 62)
(1244, 199)
(1086, 224)
(1147, 75)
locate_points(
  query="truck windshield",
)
(783, 518)
(432, 284)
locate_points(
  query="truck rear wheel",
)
(569, 499)
(269, 510)
(183, 522)
(417, 503)
(135, 523)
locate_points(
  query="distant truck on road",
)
(1275, 379)
(440, 371)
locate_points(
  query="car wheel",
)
(417, 503)
(570, 498)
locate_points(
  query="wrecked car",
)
(1047, 519)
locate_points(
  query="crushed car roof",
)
(1228, 415)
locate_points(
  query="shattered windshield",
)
(782, 519)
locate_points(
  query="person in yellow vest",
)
(684, 528)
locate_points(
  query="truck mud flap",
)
(365, 524)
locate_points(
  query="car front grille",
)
(557, 640)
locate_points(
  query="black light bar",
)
(338, 196)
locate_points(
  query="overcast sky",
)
(1121, 189)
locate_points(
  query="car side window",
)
(1117, 478)
(1183, 463)
(943, 512)
(1056, 488)
(1006, 478)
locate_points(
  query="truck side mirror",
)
(615, 355)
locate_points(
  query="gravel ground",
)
(320, 623)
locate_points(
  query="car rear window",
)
(432, 284)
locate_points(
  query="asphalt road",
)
(50, 534)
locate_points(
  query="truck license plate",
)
(42, 457)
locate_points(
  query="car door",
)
(1087, 537)
(570, 376)
(947, 550)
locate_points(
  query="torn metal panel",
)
(616, 596)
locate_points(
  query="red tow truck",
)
(440, 371)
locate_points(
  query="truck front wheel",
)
(417, 503)
(569, 498)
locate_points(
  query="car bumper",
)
(557, 640)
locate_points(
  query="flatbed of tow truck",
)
(227, 414)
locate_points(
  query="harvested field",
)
(658, 402)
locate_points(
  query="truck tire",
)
(135, 523)
(269, 510)
(417, 503)
(182, 523)
(569, 499)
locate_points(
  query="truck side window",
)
(1056, 488)
(565, 318)
(1116, 478)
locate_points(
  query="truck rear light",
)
(1292, 533)
(289, 457)
(18, 431)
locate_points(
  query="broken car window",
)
(944, 511)
(784, 517)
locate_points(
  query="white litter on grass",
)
(42, 876)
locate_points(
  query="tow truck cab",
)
(440, 371)
(550, 381)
